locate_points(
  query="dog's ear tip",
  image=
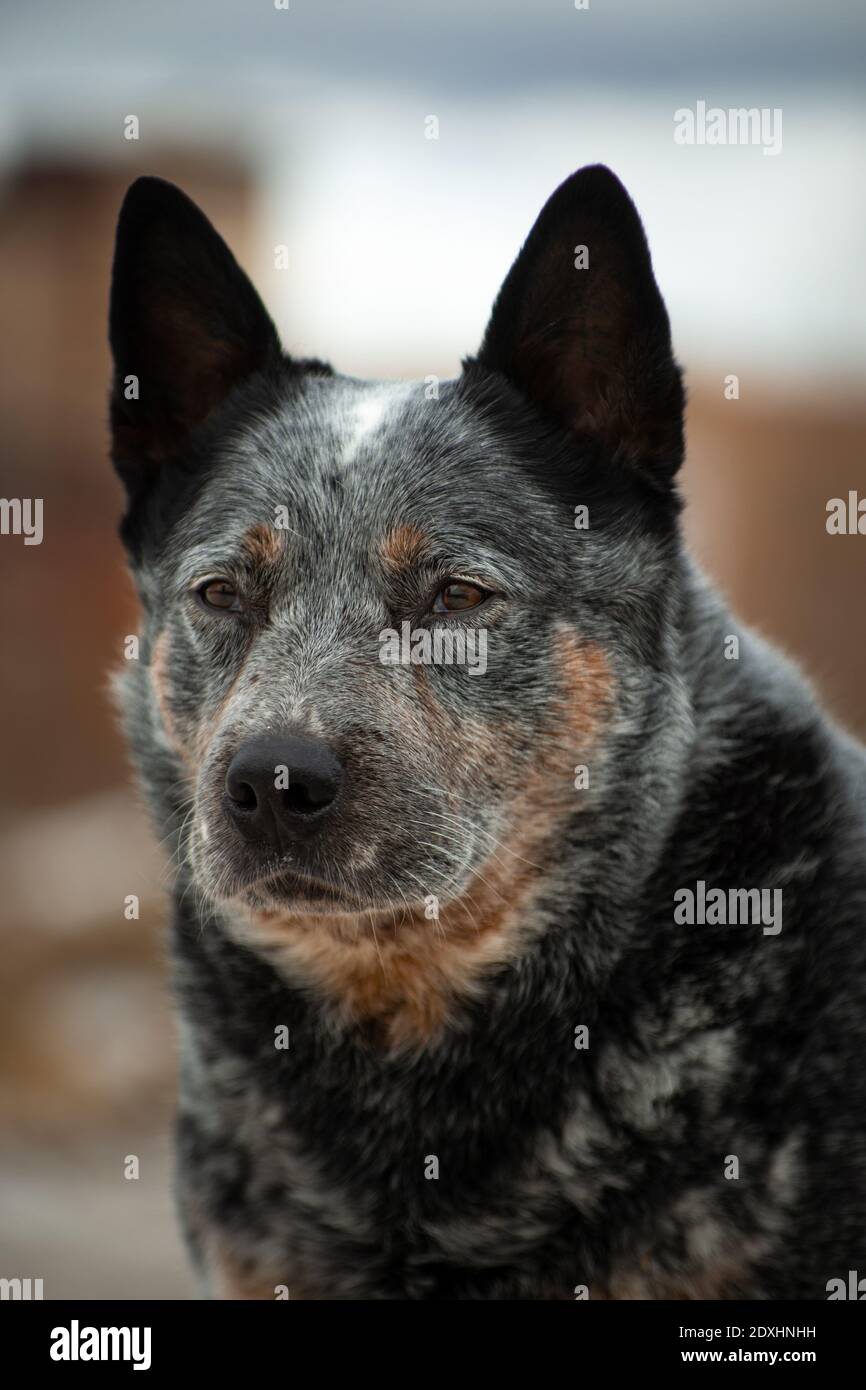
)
(595, 183)
(148, 195)
(597, 173)
(151, 185)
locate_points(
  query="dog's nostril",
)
(304, 800)
(243, 795)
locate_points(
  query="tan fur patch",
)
(403, 547)
(587, 689)
(230, 1277)
(724, 1278)
(190, 744)
(400, 972)
(263, 544)
(161, 684)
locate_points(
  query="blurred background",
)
(307, 127)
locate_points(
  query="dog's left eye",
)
(456, 597)
(219, 594)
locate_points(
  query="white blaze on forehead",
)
(369, 413)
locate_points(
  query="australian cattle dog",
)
(520, 903)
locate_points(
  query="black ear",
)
(185, 326)
(580, 327)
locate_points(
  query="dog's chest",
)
(331, 1185)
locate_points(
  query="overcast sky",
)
(469, 45)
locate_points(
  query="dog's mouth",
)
(288, 890)
(287, 893)
(346, 879)
(288, 887)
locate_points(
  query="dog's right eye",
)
(220, 595)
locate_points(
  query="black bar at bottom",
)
(82, 1338)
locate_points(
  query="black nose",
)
(278, 788)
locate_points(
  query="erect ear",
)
(185, 326)
(580, 327)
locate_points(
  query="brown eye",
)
(457, 597)
(219, 594)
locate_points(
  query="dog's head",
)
(387, 625)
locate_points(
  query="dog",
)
(538, 981)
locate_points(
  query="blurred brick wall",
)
(760, 472)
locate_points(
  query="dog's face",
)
(386, 622)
